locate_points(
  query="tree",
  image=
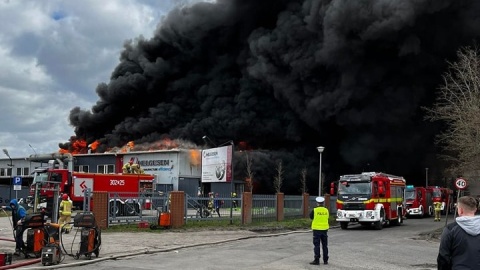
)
(250, 173)
(278, 179)
(303, 180)
(458, 106)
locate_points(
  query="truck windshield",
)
(346, 188)
(436, 193)
(40, 177)
(410, 194)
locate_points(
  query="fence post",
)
(100, 208)
(280, 206)
(327, 202)
(177, 209)
(306, 205)
(246, 208)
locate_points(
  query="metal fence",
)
(135, 207)
(293, 206)
(208, 208)
(264, 207)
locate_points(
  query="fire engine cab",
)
(419, 201)
(370, 198)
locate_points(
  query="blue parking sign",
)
(17, 180)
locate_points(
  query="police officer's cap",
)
(320, 199)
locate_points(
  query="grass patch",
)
(224, 224)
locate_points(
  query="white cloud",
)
(54, 53)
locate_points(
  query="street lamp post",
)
(232, 186)
(5, 151)
(320, 150)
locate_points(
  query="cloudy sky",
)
(54, 53)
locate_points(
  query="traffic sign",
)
(461, 183)
(17, 187)
(17, 180)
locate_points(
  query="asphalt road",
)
(396, 247)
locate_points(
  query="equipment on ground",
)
(164, 220)
(51, 254)
(370, 198)
(5, 258)
(36, 235)
(90, 236)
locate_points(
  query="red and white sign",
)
(461, 183)
(80, 185)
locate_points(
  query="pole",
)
(426, 177)
(232, 186)
(320, 177)
(320, 150)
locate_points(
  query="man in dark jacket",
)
(18, 215)
(460, 242)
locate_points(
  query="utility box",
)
(164, 220)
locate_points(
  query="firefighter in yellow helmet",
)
(438, 208)
(234, 201)
(127, 168)
(65, 214)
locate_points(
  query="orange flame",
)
(94, 145)
(128, 147)
(194, 157)
(75, 146)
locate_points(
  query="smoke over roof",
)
(288, 76)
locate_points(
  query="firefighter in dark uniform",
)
(18, 216)
(320, 226)
(234, 202)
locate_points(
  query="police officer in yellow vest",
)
(65, 213)
(438, 209)
(320, 226)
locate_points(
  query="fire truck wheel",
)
(430, 211)
(379, 224)
(130, 209)
(399, 220)
(344, 225)
(115, 209)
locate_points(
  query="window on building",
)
(26, 171)
(9, 172)
(19, 171)
(81, 168)
(109, 168)
(2, 171)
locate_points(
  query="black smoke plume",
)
(288, 76)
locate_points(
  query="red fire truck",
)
(419, 201)
(74, 184)
(370, 198)
(445, 196)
